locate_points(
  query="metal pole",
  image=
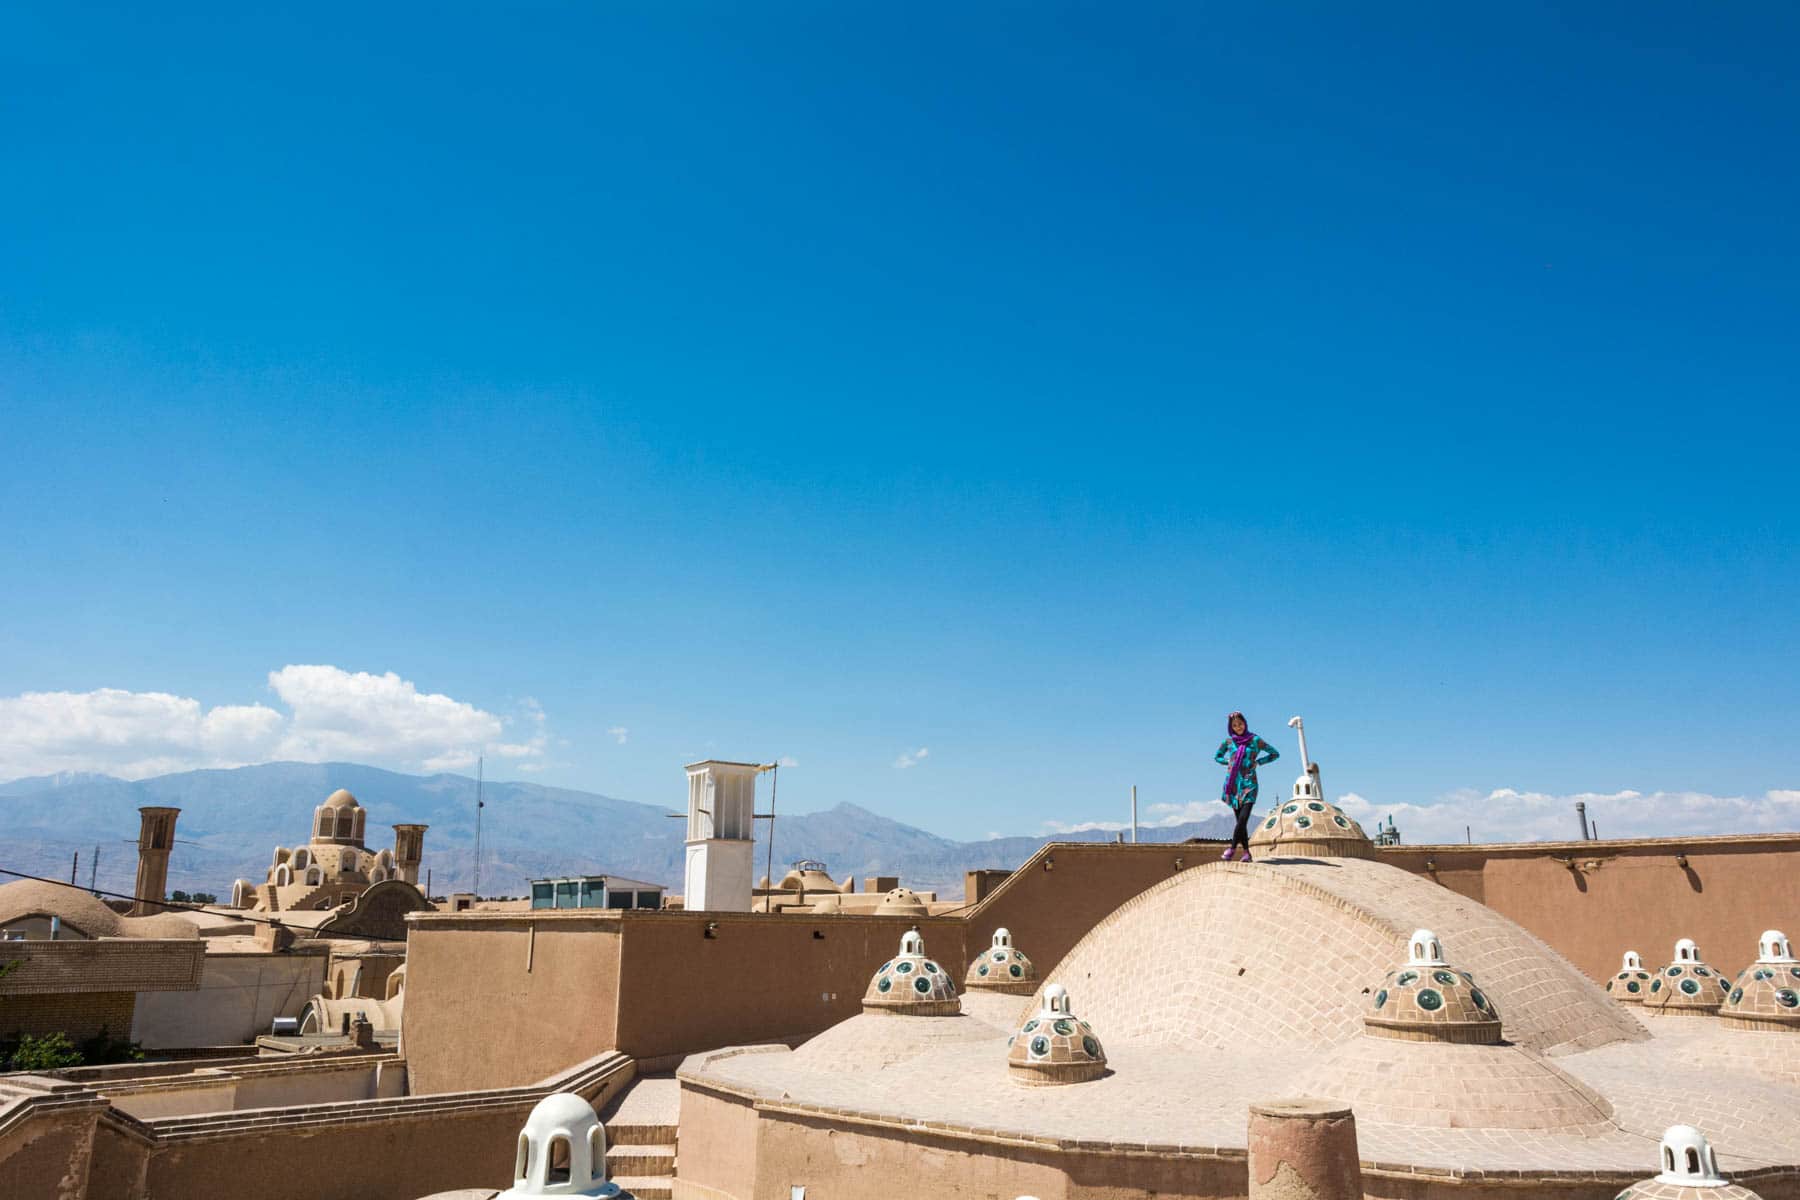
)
(769, 871)
(1134, 814)
(480, 765)
(93, 870)
(74, 866)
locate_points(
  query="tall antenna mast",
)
(93, 869)
(480, 765)
(769, 871)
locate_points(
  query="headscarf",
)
(1243, 742)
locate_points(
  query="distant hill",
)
(232, 820)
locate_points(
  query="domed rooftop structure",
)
(1002, 968)
(1313, 828)
(1632, 981)
(1054, 1046)
(1686, 985)
(1767, 994)
(1233, 954)
(901, 902)
(562, 1151)
(1427, 1000)
(341, 799)
(27, 905)
(1432, 1056)
(810, 876)
(909, 984)
(1690, 1172)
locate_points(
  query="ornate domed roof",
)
(1313, 827)
(1767, 994)
(341, 799)
(901, 902)
(911, 984)
(1631, 982)
(1428, 1000)
(1001, 968)
(1690, 1172)
(1054, 1046)
(1686, 984)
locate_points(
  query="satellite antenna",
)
(480, 765)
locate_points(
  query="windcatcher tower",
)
(409, 848)
(156, 837)
(720, 816)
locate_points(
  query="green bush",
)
(44, 1053)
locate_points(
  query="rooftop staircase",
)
(641, 1137)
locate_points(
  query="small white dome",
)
(562, 1151)
(1425, 950)
(1687, 1159)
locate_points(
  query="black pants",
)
(1241, 835)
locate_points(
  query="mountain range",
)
(232, 820)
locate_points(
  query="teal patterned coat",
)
(1259, 754)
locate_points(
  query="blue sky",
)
(1028, 385)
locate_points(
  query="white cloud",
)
(332, 714)
(619, 733)
(1506, 815)
(787, 761)
(912, 758)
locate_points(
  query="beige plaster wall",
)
(45, 1156)
(854, 1162)
(718, 1142)
(506, 1000)
(758, 979)
(388, 1160)
(283, 1086)
(238, 997)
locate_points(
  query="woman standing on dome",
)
(1242, 752)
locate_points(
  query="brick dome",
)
(1054, 1046)
(1314, 828)
(1767, 994)
(1632, 981)
(1429, 1000)
(911, 984)
(1686, 984)
(1002, 968)
(1690, 1172)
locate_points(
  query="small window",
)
(542, 896)
(1693, 1161)
(559, 1160)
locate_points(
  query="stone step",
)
(620, 1134)
(646, 1187)
(636, 1160)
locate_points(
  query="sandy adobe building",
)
(1476, 1060)
(334, 866)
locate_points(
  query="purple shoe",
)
(1246, 857)
(1229, 851)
